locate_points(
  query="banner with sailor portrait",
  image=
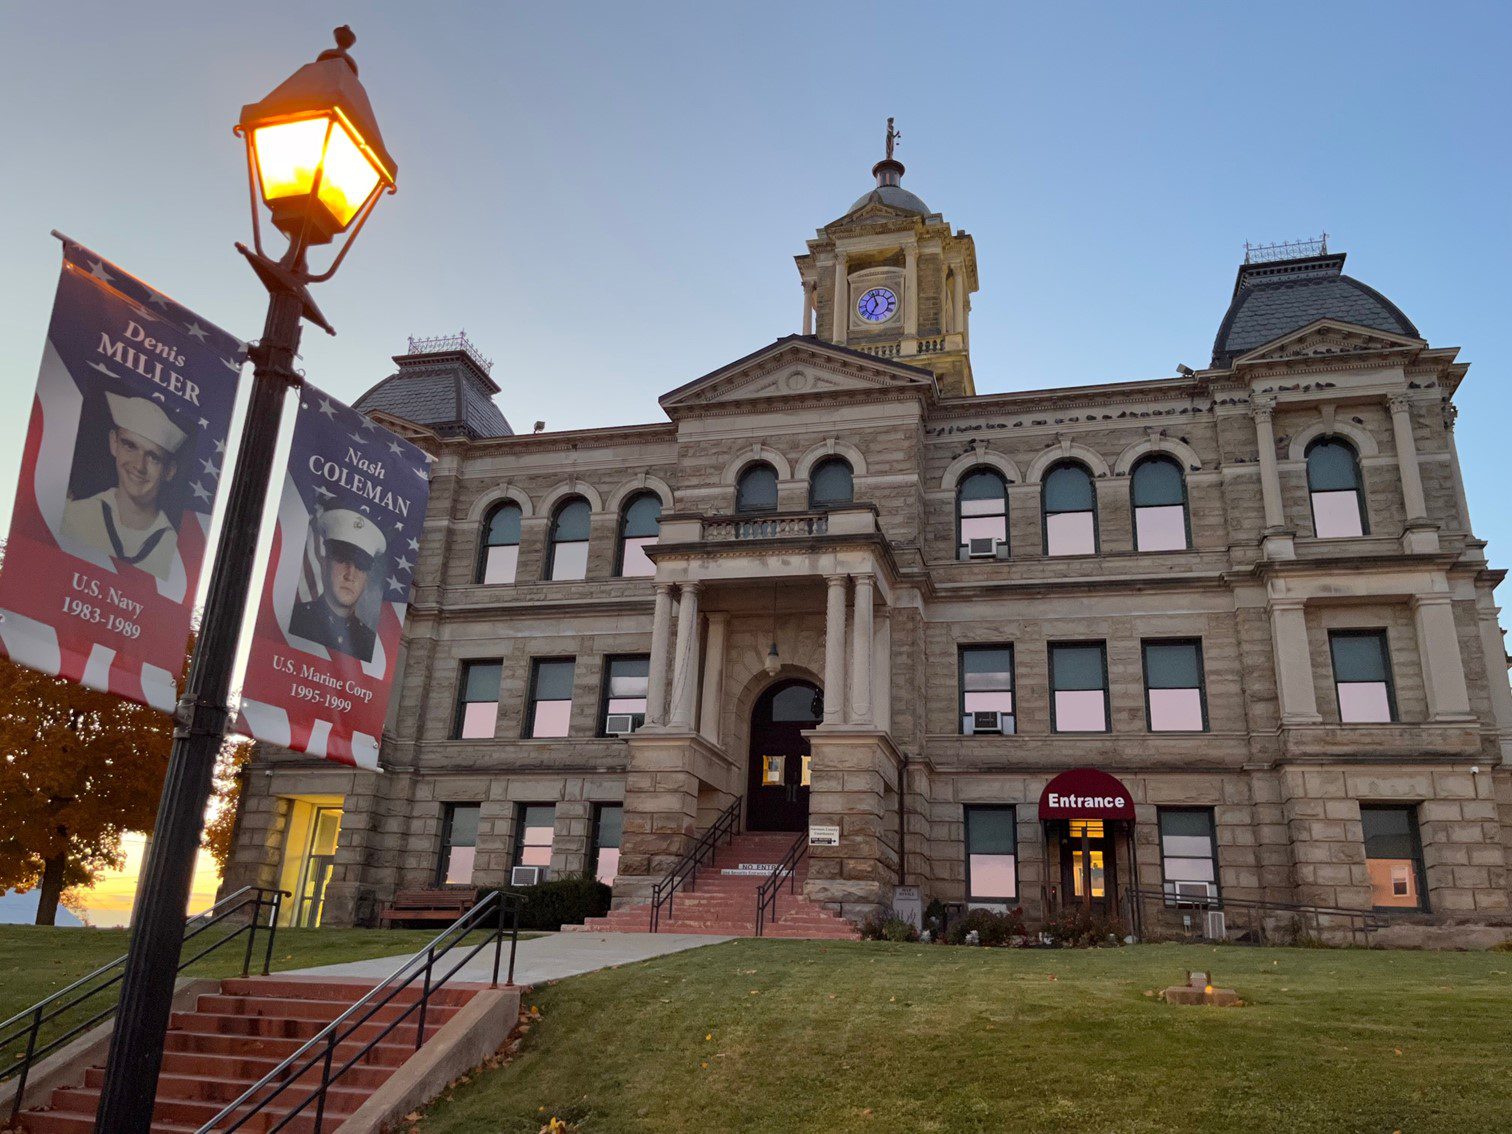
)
(326, 642)
(119, 472)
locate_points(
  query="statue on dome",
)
(892, 138)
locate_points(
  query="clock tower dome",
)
(891, 279)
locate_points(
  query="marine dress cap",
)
(145, 418)
(346, 526)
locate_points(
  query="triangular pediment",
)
(873, 212)
(799, 367)
(1328, 338)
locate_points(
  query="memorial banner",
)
(119, 472)
(326, 641)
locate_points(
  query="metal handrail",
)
(321, 1047)
(1360, 921)
(722, 830)
(29, 1022)
(787, 870)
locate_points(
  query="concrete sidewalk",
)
(551, 956)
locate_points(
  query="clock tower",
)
(891, 279)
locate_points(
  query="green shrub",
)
(1076, 928)
(876, 927)
(993, 929)
(561, 901)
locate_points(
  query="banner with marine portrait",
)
(122, 460)
(326, 641)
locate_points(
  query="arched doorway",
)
(777, 796)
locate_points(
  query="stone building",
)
(1226, 633)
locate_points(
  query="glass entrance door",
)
(1087, 864)
(319, 861)
(777, 796)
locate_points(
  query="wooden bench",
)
(427, 906)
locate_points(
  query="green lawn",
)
(851, 1037)
(36, 960)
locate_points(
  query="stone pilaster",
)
(1277, 539)
(1294, 677)
(855, 784)
(1443, 668)
(834, 650)
(661, 632)
(685, 670)
(1420, 534)
(861, 653)
(713, 675)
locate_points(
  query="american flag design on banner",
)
(119, 472)
(326, 641)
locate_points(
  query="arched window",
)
(981, 515)
(499, 554)
(1160, 506)
(756, 491)
(639, 524)
(1333, 482)
(830, 483)
(1070, 504)
(567, 556)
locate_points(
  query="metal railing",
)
(29, 1024)
(787, 871)
(685, 873)
(1259, 915)
(489, 915)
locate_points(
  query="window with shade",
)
(1160, 506)
(1079, 687)
(459, 844)
(550, 705)
(1188, 853)
(1174, 700)
(639, 524)
(991, 855)
(1070, 507)
(1362, 676)
(1394, 857)
(756, 490)
(478, 700)
(535, 827)
(500, 554)
(831, 483)
(608, 827)
(986, 690)
(624, 702)
(1336, 489)
(982, 515)
(567, 555)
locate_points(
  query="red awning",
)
(1086, 793)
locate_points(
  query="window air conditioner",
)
(1196, 893)
(983, 548)
(527, 875)
(985, 722)
(1216, 927)
(622, 724)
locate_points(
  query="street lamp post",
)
(317, 162)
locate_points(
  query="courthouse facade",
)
(1225, 633)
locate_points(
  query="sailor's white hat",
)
(347, 526)
(145, 418)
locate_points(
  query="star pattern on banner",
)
(327, 408)
(197, 331)
(395, 584)
(97, 270)
(199, 490)
(209, 467)
(403, 564)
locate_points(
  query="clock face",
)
(877, 305)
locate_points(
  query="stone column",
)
(1407, 460)
(1443, 668)
(1294, 675)
(808, 307)
(861, 653)
(842, 298)
(1450, 414)
(1270, 478)
(713, 675)
(882, 669)
(911, 291)
(834, 651)
(685, 669)
(656, 675)
(958, 301)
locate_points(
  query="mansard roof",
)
(445, 391)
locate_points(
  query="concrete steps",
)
(724, 904)
(239, 1033)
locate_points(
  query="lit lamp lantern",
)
(314, 152)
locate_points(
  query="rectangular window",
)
(478, 700)
(1160, 527)
(1394, 857)
(459, 843)
(550, 697)
(534, 828)
(986, 687)
(1174, 700)
(1362, 676)
(1188, 852)
(569, 560)
(1079, 687)
(608, 826)
(1071, 533)
(1336, 514)
(991, 855)
(625, 684)
(635, 563)
(500, 562)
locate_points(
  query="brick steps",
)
(725, 904)
(239, 1033)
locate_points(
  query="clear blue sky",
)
(608, 196)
